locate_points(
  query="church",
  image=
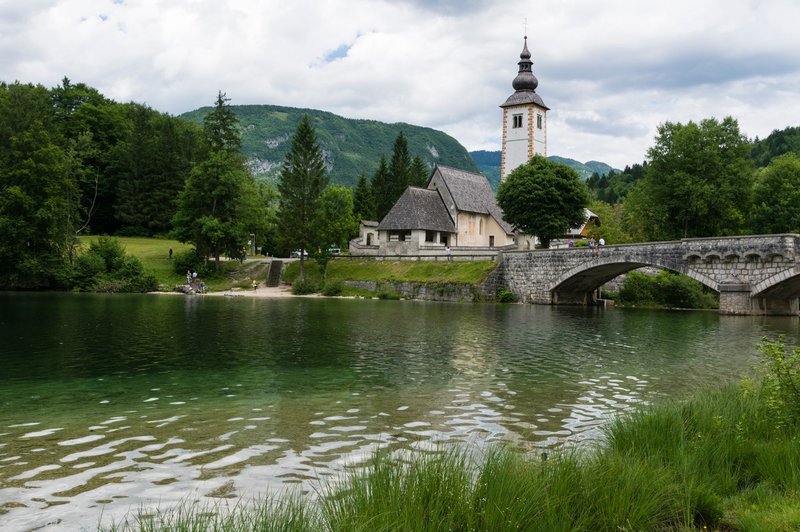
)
(457, 213)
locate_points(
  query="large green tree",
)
(543, 198)
(399, 167)
(38, 192)
(335, 224)
(382, 190)
(219, 206)
(154, 162)
(363, 200)
(776, 205)
(302, 180)
(221, 126)
(611, 222)
(698, 182)
(419, 172)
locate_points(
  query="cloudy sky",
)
(610, 71)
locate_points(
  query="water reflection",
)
(127, 400)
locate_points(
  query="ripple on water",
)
(41, 433)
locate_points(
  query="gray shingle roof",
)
(418, 208)
(473, 193)
(524, 97)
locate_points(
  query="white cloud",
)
(610, 71)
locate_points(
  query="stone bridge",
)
(753, 274)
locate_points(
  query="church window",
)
(517, 120)
(539, 121)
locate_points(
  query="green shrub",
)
(334, 288)
(106, 268)
(781, 371)
(388, 294)
(304, 286)
(668, 289)
(638, 289)
(504, 295)
(184, 261)
(580, 244)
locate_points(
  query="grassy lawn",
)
(410, 271)
(154, 254)
(394, 271)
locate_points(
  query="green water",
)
(108, 403)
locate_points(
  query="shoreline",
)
(262, 292)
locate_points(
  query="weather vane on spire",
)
(526, 27)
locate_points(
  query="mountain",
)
(488, 163)
(585, 170)
(349, 146)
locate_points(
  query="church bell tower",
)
(524, 119)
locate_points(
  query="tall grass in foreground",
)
(729, 459)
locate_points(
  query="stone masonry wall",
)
(426, 291)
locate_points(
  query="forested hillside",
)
(349, 146)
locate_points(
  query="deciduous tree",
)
(543, 198)
(334, 223)
(698, 182)
(776, 205)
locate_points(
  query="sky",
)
(610, 71)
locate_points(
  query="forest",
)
(702, 179)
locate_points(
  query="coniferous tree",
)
(382, 190)
(363, 200)
(400, 167)
(222, 127)
(419, 172)
(218, 208)
(301, 183)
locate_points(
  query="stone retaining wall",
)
(426, 291)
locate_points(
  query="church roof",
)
(525, 83)
(418, 208)
(472, 193)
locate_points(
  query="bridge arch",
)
(587, 277)
(786, 284)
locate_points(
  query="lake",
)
(113, 402)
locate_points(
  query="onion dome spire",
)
(525, 83)
(525, 80)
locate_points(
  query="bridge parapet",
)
(754, 274)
